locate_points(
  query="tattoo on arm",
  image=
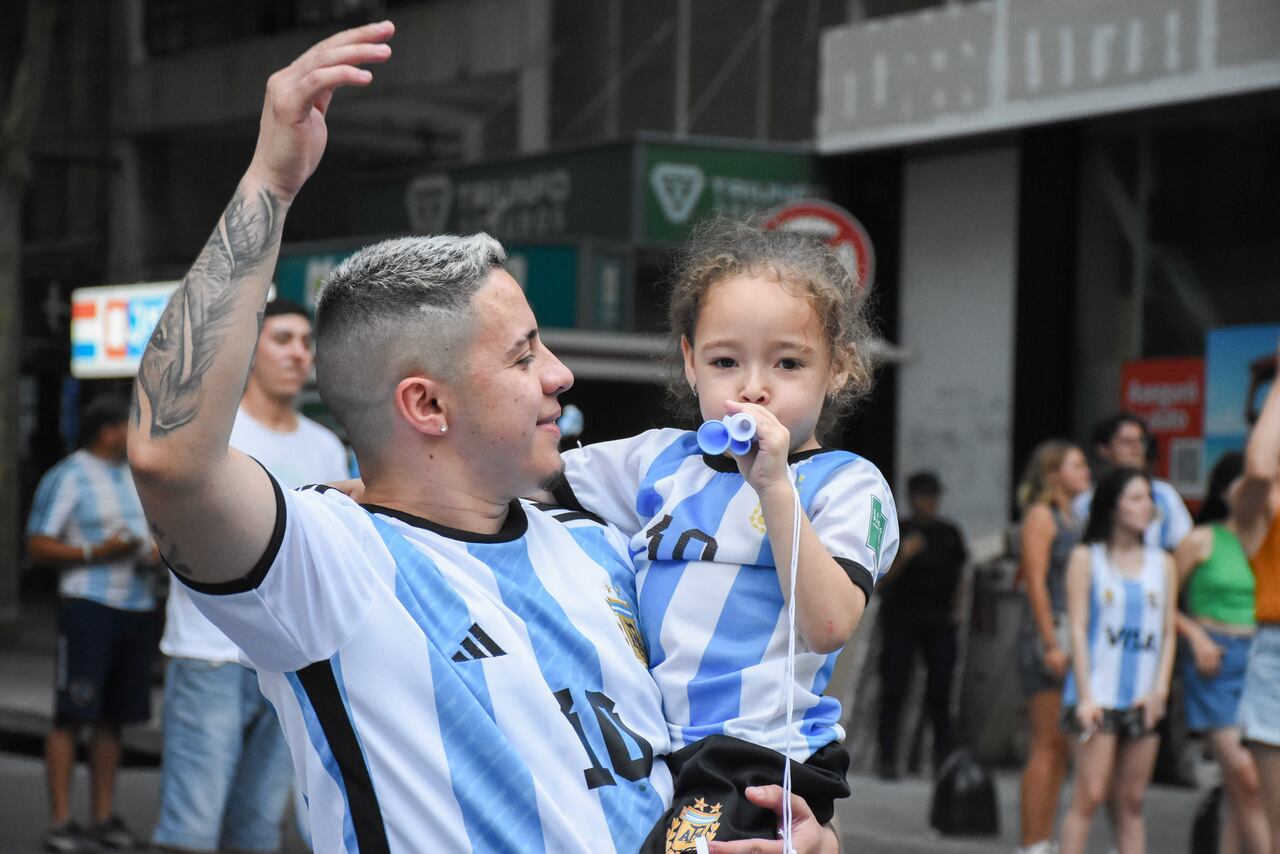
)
(186, 341)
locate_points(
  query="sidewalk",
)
(893, 818)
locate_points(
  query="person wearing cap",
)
(87, 522)
(917, 616)
(225, 770)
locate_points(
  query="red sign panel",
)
(834, 225)
(1169, 395)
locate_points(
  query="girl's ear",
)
(840, 372)
(686, 350)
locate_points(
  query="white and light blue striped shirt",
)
(1126, 630)
(447, 691)
(711, 607)
(1170, 523)
(85, 500)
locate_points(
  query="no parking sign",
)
(836, 227)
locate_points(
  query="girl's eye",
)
(722, 362)
(790, 364)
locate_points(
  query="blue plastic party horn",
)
(732, 433)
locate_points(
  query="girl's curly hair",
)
(721, 248)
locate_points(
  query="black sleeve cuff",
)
(255, 576)
(858, 574)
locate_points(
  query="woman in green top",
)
(1218, 624)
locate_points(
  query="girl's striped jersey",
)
(711, 605)
(447, 691)
(1126, 630)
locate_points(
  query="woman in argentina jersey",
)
(1120, 604)
(768, 323)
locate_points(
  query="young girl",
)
(771, 324)
(1120, 605)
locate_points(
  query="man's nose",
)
(556, 378)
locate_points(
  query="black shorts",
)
(710, 776)
(1125, 723)
(104, 664)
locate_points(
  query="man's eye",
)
(526, 361)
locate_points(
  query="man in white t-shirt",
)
(225, 771)
(1120, 440)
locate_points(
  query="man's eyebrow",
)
(529, 338)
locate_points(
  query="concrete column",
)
(535, 78)
(958, 285)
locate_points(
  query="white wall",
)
(959, 242)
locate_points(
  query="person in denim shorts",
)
(1256, 513)
(1218, 626)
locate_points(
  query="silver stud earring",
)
(444, 428)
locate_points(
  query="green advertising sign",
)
(685, 183)
(537, 198)
(640, 192)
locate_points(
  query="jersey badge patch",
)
(875, 529)
(757, 519)
(693, 823)
(626, 617)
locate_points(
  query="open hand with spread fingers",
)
(292, 133)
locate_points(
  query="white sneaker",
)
(1044, 846)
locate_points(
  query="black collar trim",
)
(513, 528)
(728, 464)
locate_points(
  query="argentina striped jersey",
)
(83, 501)
(1125, 632)
(448, 691)
(711, 607)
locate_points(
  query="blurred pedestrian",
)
(1218, 625)
(1256, 512)
(1057, 473)
(87, 521)
(917, 614)
(1120, 607)
(225, 769)
(1121, 440)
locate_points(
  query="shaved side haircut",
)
(394, 309)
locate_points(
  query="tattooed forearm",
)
(186, 340)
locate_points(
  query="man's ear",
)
(419, 401)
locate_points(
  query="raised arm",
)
(211, 509)
(1252, 504)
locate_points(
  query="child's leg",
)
(1135, 760)
(1095, 759)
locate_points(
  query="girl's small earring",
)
(444, 428)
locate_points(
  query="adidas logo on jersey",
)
(477, 645)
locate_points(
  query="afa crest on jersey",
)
(626, 617)
(693, 823)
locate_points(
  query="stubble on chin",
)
(551, 481)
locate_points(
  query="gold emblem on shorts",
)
(1108, 596)
(757, 519)
(696, 822)
(627, 622)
